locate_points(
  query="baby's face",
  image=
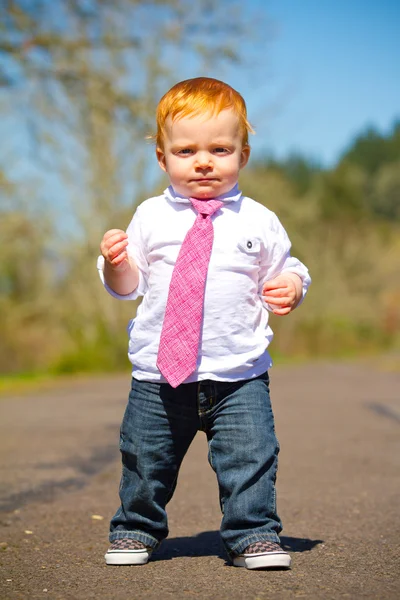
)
(203, 154)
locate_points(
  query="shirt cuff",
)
(132, 296)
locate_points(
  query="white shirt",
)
(250, 247)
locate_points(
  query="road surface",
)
(338, 495)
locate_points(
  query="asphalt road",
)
(338, 495)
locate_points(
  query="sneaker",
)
(263, 555)
(127, 552)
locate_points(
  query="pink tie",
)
(180, 335)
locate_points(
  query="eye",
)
(184, 152)
(220, 150)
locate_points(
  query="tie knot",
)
(206, 207)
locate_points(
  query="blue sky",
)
(332, 69)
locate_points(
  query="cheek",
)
(178, 168)
(232, 168)
(169, 165)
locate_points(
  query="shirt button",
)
(249, 244)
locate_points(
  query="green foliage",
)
(56, 316)
(88, 89)
(105, 353)
(372, 150)
(344, 225)
(296, 169)
(82, 80)
(377, 157)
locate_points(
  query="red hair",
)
(197, 96)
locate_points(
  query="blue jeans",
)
(158, 426)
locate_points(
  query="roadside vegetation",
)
(79, 100)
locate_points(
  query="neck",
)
(227, 196)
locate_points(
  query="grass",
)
(26, 383)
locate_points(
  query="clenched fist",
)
(283, 293)
(113, 248)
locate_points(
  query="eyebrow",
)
(216, 142)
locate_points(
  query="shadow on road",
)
(292, 544)
(209, 543)
(384, 411)
(46, 491)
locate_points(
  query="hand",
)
(113, 248)
(283, 293)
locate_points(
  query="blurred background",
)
(79, 82)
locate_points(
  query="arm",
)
(284, 280)
(120, 270)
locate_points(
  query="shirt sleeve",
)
(135, 251)
(276, 258)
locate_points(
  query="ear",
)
(244, 156)
(161, 159)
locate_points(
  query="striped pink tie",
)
(180, 335)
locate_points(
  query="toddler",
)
(210, 263)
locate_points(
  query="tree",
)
(84, 77)
(370, 150)
(91, 72)
(378, 157)
(296, 168)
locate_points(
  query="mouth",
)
(204, 179)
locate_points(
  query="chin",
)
(204, 195)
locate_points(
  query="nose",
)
(203, 160)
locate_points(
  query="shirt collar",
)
(232, 196)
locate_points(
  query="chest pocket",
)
(249, 246)
(248, 253)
